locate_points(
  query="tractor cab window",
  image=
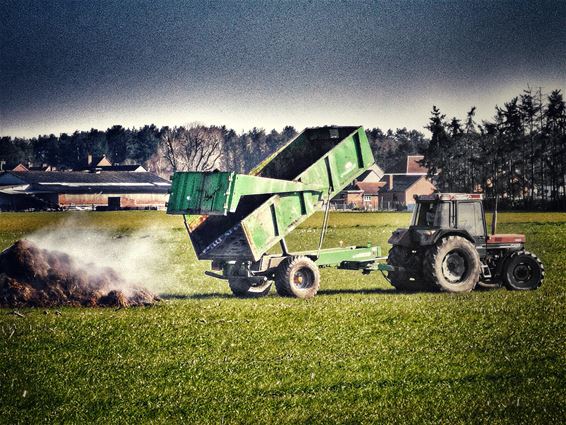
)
(470, 218)
(432, 214)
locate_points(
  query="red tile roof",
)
(408, 165)
(370, 188)
(413, 166)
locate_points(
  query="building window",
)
(367, 198)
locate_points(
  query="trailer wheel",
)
(400, 256)
(453, 264)
(243, 288)
(523, 271)
(297, 277)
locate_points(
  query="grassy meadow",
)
(356, 353)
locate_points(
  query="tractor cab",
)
(454, 213)
(441, 214)
(459, 213)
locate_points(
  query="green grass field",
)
(356, 353)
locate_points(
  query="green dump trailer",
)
(235, 219)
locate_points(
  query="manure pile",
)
(34, 277)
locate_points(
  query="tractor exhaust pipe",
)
(494, 218)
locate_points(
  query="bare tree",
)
(192, 148)
(159, 165)
(167, 149)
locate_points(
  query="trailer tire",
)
(297, 277)
(523, 271)
(453, 264)
(243, 288)
(400, 256)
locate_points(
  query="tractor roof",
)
(450, 197)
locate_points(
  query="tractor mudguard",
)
(441, 234)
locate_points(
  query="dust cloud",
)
(70, 265)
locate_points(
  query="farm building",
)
(103, 164)
(392, 190)
(398, 191)
(401, 181)
(90, 164)
(70, 189)
(134, 168)
(101, 161)
(359, 195)
(29, 167)
(363, 192)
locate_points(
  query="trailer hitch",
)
(382, 267)
(216, 275)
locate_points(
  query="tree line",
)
(519, 156)
(181, 148)
(162, 150)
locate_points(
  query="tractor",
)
(447, 248)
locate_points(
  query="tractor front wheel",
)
(297, 277)
(453, 264)
(243, 288)
(523, 271)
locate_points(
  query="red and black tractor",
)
(447, 247)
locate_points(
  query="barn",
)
(108, 190)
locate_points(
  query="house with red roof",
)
(393, 189)
(402, 181)
(362, 193)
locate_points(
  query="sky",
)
(68, 65)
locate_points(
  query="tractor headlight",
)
(425, 236)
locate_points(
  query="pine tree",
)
(435, 156)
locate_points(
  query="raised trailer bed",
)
(239, 218)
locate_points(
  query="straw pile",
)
(34, 277)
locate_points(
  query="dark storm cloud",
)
(132, 61)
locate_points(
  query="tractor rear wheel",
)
(400, 256)
(243, 288)
(453, 264)
(297, 277)
(523, 271)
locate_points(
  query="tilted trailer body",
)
(239, 218)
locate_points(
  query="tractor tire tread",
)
(536, 259)
(432, 257)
